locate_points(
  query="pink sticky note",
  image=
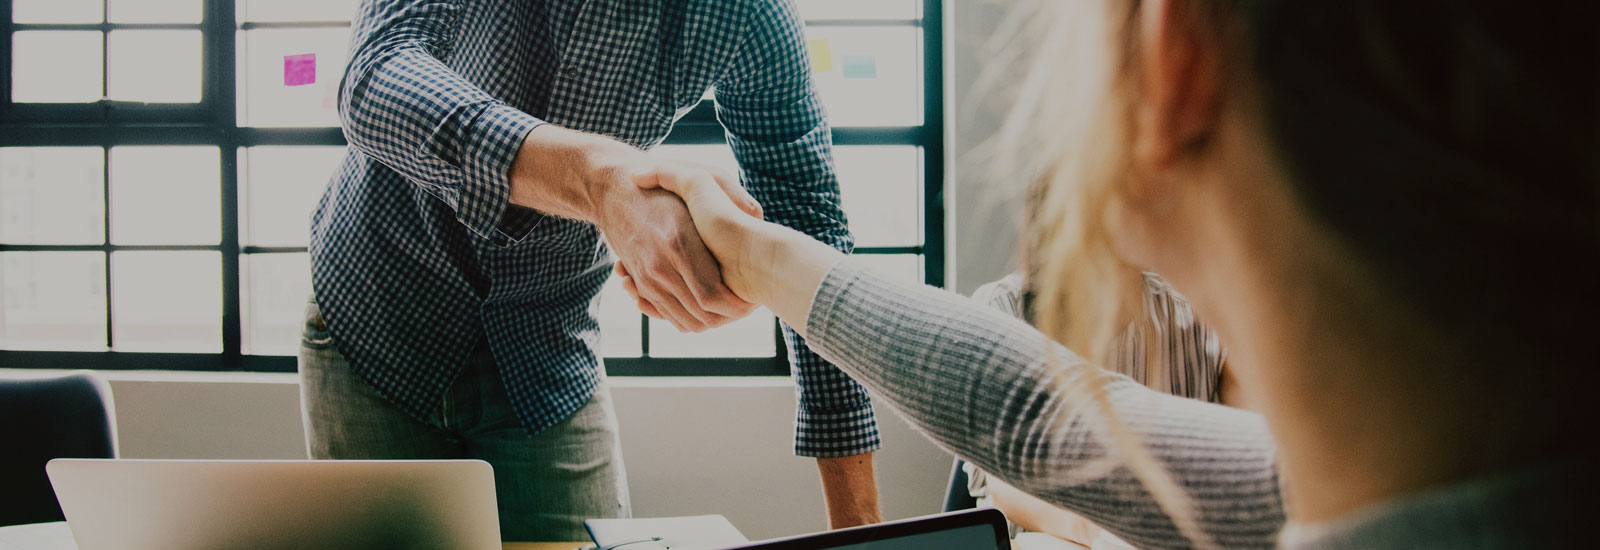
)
(299, 70)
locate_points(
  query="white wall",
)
(691, 445)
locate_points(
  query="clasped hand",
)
(692, 295)
(628, 194)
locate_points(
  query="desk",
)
(56, 536)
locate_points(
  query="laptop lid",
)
(193, 504)
(981, 529)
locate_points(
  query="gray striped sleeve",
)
(978, 383)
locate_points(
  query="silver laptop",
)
(302, 504)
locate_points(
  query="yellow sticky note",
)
(821, 58)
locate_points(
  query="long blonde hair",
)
(1067, 134)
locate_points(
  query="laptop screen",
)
(965, 530)
(973, 537)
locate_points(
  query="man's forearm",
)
(850, 489)
(555, 172)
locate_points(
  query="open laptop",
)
(301, 504)
(982, 529)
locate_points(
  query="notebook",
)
(680, 533)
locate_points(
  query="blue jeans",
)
(546, 484)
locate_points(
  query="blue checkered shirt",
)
(417, 256)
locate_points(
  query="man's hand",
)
(850, 489)
(593, 178)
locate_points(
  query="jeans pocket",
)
(315, 333)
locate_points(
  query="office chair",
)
(44, 418)
(956, 496)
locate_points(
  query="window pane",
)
(275, 290)
(297, 10)
(619, 322)
(282, 186)
(153, 11)
(56, 11)
(166, 301)
(868, 76)
(56, 67)
(857, 9)
(882, 188)
(154, 66)
(291, 76)
(165, 195)
(52, 195)
(52, 300)
(751, 336)
(720, 156)
(901, 268)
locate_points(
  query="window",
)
(159, 160)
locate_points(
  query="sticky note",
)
(299, 70)
(860, 66)
(821, 58)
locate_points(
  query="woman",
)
(1388, 210)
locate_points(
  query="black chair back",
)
(956, 496)
(42, 419)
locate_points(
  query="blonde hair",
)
(1067, 134)
(1449, 145)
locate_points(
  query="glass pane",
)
(153, 11)
(857, 9)
(901, 268)
(275, 291)
(56, 11)
(297, 10)
(720, 156)
(52, 300)
(165, 195)
(154, 66)
(868, 76)
(752, 336)
(56, 67)
(166, 301)
(282, 186)
(52, 195)
(619, 322)
(882, 189)
(291, 76)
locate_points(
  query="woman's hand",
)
(722, 212)
(762, 263)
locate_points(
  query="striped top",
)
(983, 385)
(1184, 340)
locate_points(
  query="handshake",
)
(688, 272)
(682, 230)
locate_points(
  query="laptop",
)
(981, 529)
(302, 504)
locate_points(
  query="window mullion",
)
(220, 98)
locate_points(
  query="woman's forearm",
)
(772, 265)
(995, 392)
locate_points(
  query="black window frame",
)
(214, 122)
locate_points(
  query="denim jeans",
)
(546, 484)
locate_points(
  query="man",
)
(457, 254)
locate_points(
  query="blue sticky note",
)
(860, 66)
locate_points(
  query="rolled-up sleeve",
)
(780, 135)
(403, 106)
